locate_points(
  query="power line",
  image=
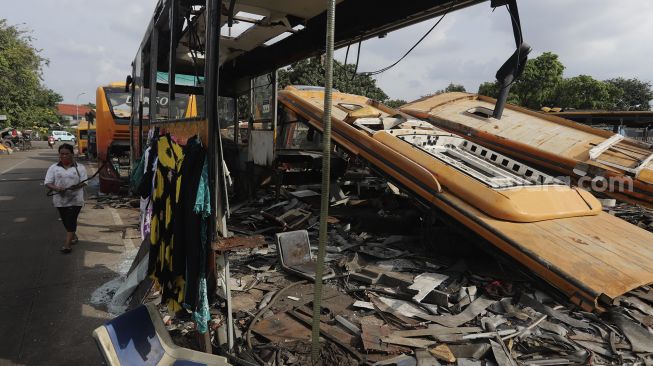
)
(371, 73)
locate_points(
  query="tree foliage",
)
(395, 103)
(537, 85)
(542, 84)
(636, 94)
(345, 78)
(490, 89)
(450, 88)
(23, 98)
(585, 92)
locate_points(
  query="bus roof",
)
(279, 32)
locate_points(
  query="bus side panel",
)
(104, 124)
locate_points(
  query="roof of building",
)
(71, 110)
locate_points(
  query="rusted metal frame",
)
(154, 52)
(307, 320)
(173, 22)
(217, 222)
(238, 242)
(131, 118)
(140, 110)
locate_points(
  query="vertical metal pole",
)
(216, 175)
(154, 68)
(326, 172)
(134, 112)
(236, 122)
(174, 14)
(141, 101)
(273, 105)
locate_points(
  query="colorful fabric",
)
(202, 315)
(203, 208)
(203, 201)
(167, 182)
(188, 227)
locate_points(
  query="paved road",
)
(46, 316)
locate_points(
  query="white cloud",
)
(93, 42)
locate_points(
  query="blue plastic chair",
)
(139, 337)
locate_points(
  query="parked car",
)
(63, 136)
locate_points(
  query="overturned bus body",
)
(556, 231)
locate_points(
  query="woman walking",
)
(66, 180)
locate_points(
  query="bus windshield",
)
(119, 102)
(163, 104)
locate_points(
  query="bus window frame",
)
(118, 120)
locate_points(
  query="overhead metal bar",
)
(380, 17)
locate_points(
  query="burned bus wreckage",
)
(440, 233)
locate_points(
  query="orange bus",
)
(113, 111)
(113, 115)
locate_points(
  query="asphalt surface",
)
(46, 312)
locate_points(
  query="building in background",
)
(70, 112)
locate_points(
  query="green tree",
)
(395, 103)
(537, 85)
(635, 94)
(489, 89)
(450, 88)
(345, 78)
(585, 92)
(23, 98)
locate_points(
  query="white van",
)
(63, 136)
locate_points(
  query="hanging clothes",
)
(203, 208)
(188, 224)
(164, 201)
(145, 202)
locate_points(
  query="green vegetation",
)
(345, 78)
(23, 98)
(450, 88)
(542, 85)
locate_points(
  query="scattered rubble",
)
(636, 215)
(402, 292)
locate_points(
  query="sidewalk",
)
(50, 301)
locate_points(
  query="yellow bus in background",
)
(113, 114)
(83, 138)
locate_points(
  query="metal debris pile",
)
(636, 215)
(398, 298)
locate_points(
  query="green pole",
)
(326, 170)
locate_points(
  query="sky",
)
(90, 43)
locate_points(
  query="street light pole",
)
(77, 107)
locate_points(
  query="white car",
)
(63, 136)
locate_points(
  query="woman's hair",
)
(67, 147)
